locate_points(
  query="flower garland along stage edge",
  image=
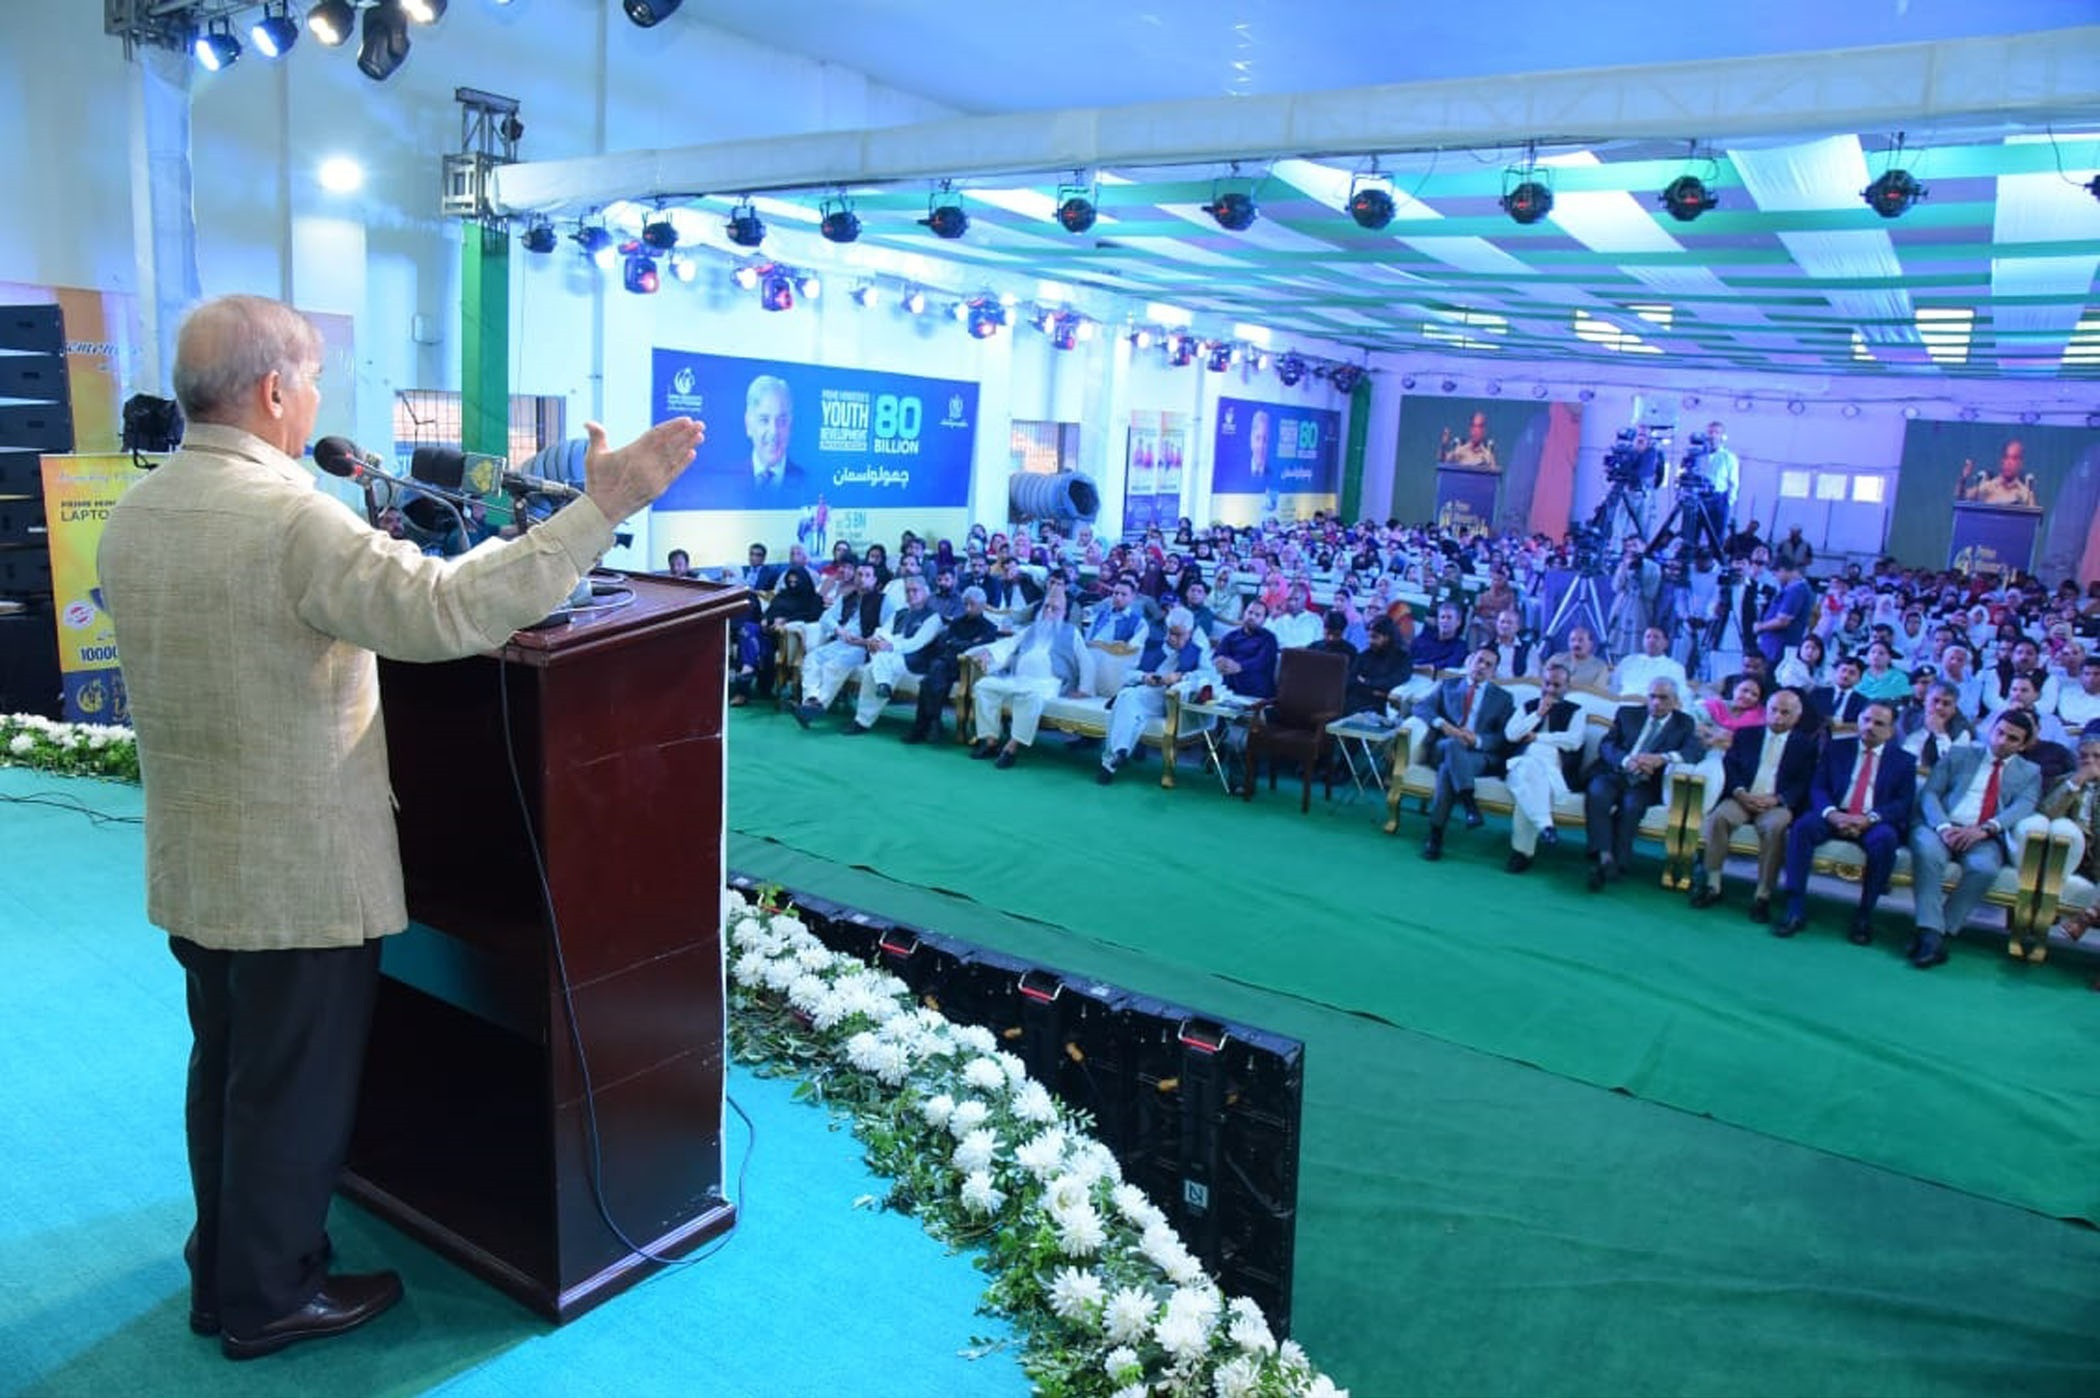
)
(1107, 1298)
(76, 749)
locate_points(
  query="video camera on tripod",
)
(1633, 461)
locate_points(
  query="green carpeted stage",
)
(1554, 1142)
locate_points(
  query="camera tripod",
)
(1581, 604)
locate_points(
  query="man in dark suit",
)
(769, 417)
(1466, 717)
(1973, 797)
(1842, 701)
(1628, 778)
(1765, 777)
(1863, 791)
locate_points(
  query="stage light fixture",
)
(660, 234)
(1538, 390)
(1742, 405)
(1892, 192)
(647, 14)
(1346, 378)
(597, 244)
(777, 291)
(1690, 400)
(746, 277)
(868, 295)
(274, 34)
(1796, 406)
(809, 284)
(331, 21)
(1075, 209)
(1182, 351)
(986, 317)
(746, 229)
(2030, 418)
(1968, 414)
(1141, 338)
(1850, 410)
(1290, 368)
(1233, 209)
(944, 214)
(1371, 205)
(640, 275)
(839, 224)
(2093, 419)
(1587, 395)
(1528, 201)
(915, 301)
(1044, 318)
(1910, 412)
(1084, 330)
(1407, 381)
(1494, 387)
(1450, 385)
(684, 268)
(539, 236)
(384, 47)
(1687, 197)
(960, 311)
(424, 11)
(1064, 330)
(216, 48)
(2092, 186)
(1220, 358)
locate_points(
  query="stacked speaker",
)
(1202, 1114)
(36, 420)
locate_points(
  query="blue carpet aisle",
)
(812, 1296)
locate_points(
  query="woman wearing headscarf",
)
(796, 603)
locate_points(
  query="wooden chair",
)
(1311, 692)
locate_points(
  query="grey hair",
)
(975, 594)
(231, 343)
(768, 383)
(1181, 619)
(1664, 682)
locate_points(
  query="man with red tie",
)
(1862, 792)
(1974, 795)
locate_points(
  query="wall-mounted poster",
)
(2051, 470)
(1275, 460)
(808, 448)
(1153, 470)
(1486, 462)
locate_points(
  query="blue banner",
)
(1465, 497)
(1284, 459)
(796, 436)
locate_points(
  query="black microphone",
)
(339, 456)
(480, 472)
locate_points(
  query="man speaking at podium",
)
(2010, 486)
(250, 609)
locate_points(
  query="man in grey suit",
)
(1974, 795)
(1466, 717)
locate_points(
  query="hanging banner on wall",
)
(2039, 482)
(1486, 462)
(1274, 459)
(811, 447)
(78, 494)
(1152, 475)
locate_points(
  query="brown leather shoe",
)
(343, 1303)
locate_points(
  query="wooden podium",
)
(473, 1133)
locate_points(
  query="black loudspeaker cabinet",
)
(29, 682)
(36, 420)
(1202, 1114)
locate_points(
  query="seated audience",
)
(862, 612)
(1382, 667)
(1024, 672)
(1654, 662)
(1246, 655)
(1446, 648)
(1628, 776)
(1766, 775)
(903, 645)
(1143, 697)
(1840, 701)
(1586, 669)
(1466, 718)
(1295, 626)
(1545, 738)
(969, 630)
(1863, 791)
(1973, 797)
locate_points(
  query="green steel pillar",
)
(484, 339)
(1353, 453)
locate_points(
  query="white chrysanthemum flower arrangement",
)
(1107, 1297)
(76, 749)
